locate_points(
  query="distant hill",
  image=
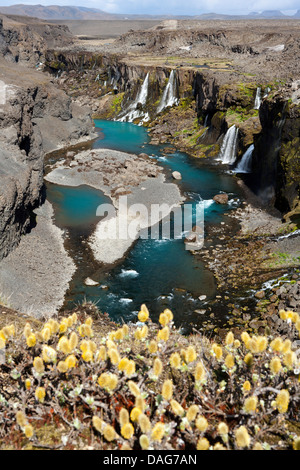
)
(55, 12)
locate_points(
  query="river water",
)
(160, 273)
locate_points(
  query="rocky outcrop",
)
(35, 118)
(25, 40)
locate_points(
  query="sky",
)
(174, 7)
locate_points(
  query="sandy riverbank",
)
(35, 276)
(137, 179)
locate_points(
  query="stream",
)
(159, 273)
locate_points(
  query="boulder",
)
(176, 175)
(221, 198)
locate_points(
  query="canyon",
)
(214, 89)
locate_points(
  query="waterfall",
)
(169, 95)
(245, 164)
(257, 102)
(227, 153)
(134, 110)
(267, 91)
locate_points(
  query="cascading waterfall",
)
(257, 102)
(245, 164)
(169, 97)
(227, 153)
(133, 112)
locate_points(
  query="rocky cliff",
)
(210, 99)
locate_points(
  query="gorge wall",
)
(35, 118)
(211, 100)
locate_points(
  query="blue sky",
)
(175, 7)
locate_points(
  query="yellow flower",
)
(236, 344)
(200, 373)
(89, 321)
(40, 394)
(250, 404)
(64, 345)
(163, 319)
(217, 350)
(112, 382)
(201, 423)
(21, 419)
(140, 403)
(127, 431)
(134, 389)
(223, 429)
(283, 314)
(49, 354)
(190, 354)
(123, 363)
(97, 423)
(253, 345)
(130, 368)
(246, 386)
(176, 408)
(289, 359)
(277, 344)
(169, 314)
(158, 432)
(103, 379)
(109, 433)
(248, 359)
(62, 367)
(73, 341)
(202, 444)
(152, 346)
(144, 442)
(229, 361)
(192, 413)
(163, 334)
(229, 338)
(296, 443)
(245, 338)
(219, 446)
(257, 446)
(275, 365)
(262, 343)
(242, 438)
(87, 356)
(175, 360)
(71, 361)
(144, 423)
(28, 431)
(123, 417)
(143, 315)
(135, 413)
(102, 355)
(125, 329)
(46, 333)
(167, 390)
(114, 356)
(63, 326)
(157, 367)
(38, 365)
(286, 346)
(119, 335)
(27, 330)
(31, 340)
(27, 384)
(282, 401)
